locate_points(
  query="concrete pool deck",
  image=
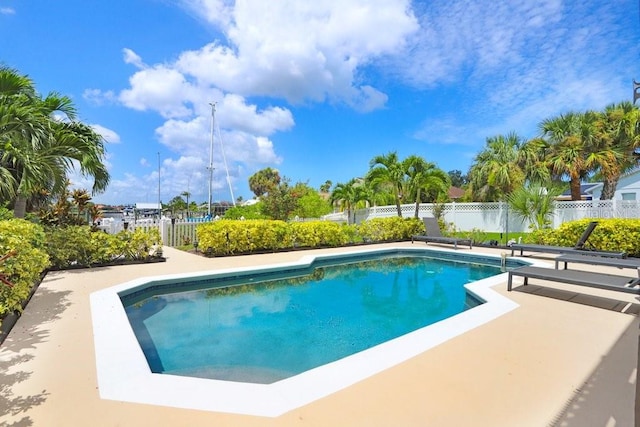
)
(547, 362)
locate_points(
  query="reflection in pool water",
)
(268, 330)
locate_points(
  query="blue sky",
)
(313, 89)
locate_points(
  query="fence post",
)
(163, 232)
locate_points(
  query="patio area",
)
(567, 356)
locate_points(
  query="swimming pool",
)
(124, 373)
(265, 330)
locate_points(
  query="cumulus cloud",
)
(159, 88)
(99, 97)
(286, 50)
(130, 57)
(270, 56)
(108, 134)
(7, 11)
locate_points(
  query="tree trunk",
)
(576, 194)
(20, 207)
(417, 212)
(609, 188)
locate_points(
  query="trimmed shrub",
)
(611, 234)
(320, 233)
(227, 237)
(390, 229)
(79, 246)
(25, 242)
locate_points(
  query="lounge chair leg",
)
(509, 282)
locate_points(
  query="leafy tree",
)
(324, 188)
(280, 201)
(457, 178)
(311, 204)
(264, 181)
(246, 212)
(387, 170)
(37, 148)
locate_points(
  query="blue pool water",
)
(265, 330)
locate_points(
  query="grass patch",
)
(486, 237)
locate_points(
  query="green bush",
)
(28, 259)
(226, 237)
(80, 246)
(610, 235)
(390, 229)
(320, 233)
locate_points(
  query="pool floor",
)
(266, 331)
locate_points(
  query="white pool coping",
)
(124, 375)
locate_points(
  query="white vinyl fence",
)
(488, 217)
(497, 217)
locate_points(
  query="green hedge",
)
(80, 246)
(228, 237)
(610, 235)
(390, 229)
(34, 249)
(25, 242)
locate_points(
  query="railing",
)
(489, 217)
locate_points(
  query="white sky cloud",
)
(515, 60)
(108, 134)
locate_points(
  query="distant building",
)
(146, 210)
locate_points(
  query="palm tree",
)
(186, 194)
(347, 196)
(38, 150)
(532, 160)
(572, 138)
(424, 177)
(386, 170)
(618, 140)
(534, 203)
(496, 170)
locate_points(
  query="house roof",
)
(585, 189)
(455, 192)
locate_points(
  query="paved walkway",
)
(548, 362)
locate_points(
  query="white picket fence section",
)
(488, 217)
(496, 216)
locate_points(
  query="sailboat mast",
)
(213, 115)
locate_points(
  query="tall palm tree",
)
(38, 149)
(387, 170)
(496, 170)
(424, 177)
(572, 138)
(619, 140)
(533, 161)
(186, 194)
(347, 196)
